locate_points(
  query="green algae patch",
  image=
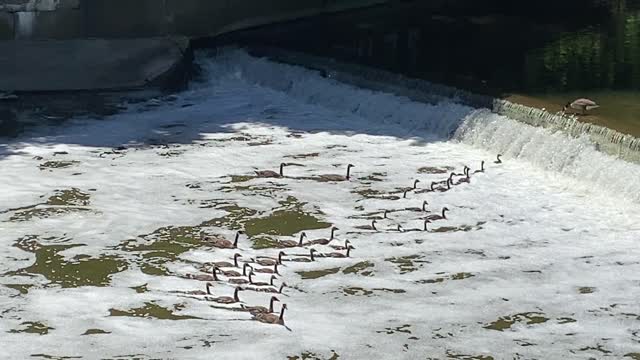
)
(290, 219)
(453, 355)
(505, 322)
(407, 264)
(151, 310)
(81, 270)
(140, 289)
(399, 329)
(359, 269)
(23, 289)
(307, 355)
(60, 203)
(435, 170)
(265, 242)
(356, 291)
(57, 164)
(303, 156)
(316, 274)
(96, 332)
(32, 327)
(634, 356)
(586, 290)
(241, 178)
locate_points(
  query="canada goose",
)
(255, 310)
(273, 277)
(228, 273)
(224, 243)
(291, 243)
(341, 247)
(481, 168)
(272, 318)
(438, 217)
(582, 104)
(322, 241)
(269, 262)
(406, 189)
(228, 264)
(333, 177)
(204, 277)
(465, 179)
(426, 221)
(498, 161)
(311, 257)
(268, 270)
(369, 227)
(418, 209)
(237, 280)
(200, 292)
(227, 299)
(271, 173)
(441, 189)
(464, 171)
(340, 255)
(271, 290)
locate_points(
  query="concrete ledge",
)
(95, 64)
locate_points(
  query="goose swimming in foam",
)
(443, 216)
(271, 173)
(334, 177)
(322, 241)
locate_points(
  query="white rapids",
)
(538, 256)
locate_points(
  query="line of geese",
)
(244, 281)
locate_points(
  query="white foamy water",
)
(537, 258)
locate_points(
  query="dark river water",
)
(541, 54)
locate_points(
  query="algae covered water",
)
(103, 221)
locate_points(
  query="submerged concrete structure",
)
(53, 45)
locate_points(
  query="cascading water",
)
(546, 148)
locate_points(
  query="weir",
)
(608, 141)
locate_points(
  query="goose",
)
(481, 168)
(224, 243)
(204, 277)
(228, 273)
(228, 264)
(464, 171)
(311, 257)
(269, 262)
(465, 179)
(340, 255)
(270, 283)
(438, 217)
(255, 310)
(441, 189)
(333, 177)
(498, 161)
(322, 241)
(200, 292)
(582, 104)
(268, 270)
(227, 299)
(411, 188)
(239, 280)
(272, 318)
(368, 227)
(341, 247)
(271, 290)
(271, 173)
(426, 221)
(418, 209)
(291, 243)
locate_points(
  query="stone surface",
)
(6, 26)
(87, 64)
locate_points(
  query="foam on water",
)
(536, 260)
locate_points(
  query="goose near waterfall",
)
(582, 104)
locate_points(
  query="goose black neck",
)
(281, 169)
(282, 314)
(348, 172)
(208, 289)
(235, 242)
(271, 305)
(444, 215)
(235, 295)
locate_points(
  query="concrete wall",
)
(77, 19)
(61, 45)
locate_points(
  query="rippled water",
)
(537, 256)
